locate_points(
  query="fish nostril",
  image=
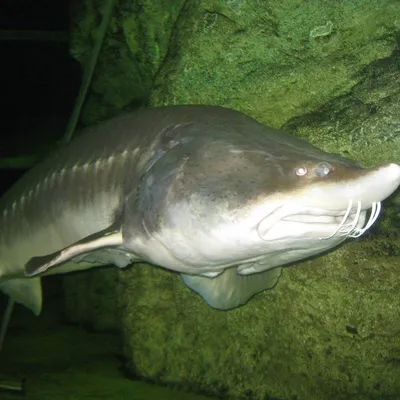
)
(323, 169)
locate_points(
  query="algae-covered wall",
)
(135, 47)
(328, 71)
(274, 59)
(328, 330)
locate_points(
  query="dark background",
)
(39, 80)
(39, 83)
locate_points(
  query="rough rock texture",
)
(274, 59)
(364, 124)
(328, 71)
(329, 329)
(133, 51)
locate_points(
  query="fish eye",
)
(323, 169)
(300, 171)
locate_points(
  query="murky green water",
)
(68, 362)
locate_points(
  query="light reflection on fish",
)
(201, 190)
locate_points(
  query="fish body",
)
(201, 190)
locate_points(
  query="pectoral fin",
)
(109, 238)
(229, 289)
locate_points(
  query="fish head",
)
(255, 200)
(328, 202)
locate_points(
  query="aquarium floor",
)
(68, 362)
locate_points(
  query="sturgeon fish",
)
(204, 191)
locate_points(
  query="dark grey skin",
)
(204, 191)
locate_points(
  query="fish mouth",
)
(322, 224)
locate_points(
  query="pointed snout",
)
(359, 185)
(377, 183)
